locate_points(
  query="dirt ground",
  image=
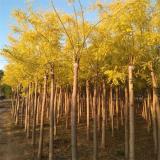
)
(15, 146)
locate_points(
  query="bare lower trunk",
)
(74, 113)
(154, 123)
(156, 109)
(55, 112)
(28, 110)
(99, 111)
(104, 116)
(67, 109)
(87, 100)
(131, 116)
(22, 110)
(95, 123)
(34, 114)
(149, 112)
(13, 102)
(51, 133)
(17, 106)
(117, 108)
(126, 124)
(111, 111)
(40, 147)
(78, 105)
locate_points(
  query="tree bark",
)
(67, 108)
(117, 108)
(126, 124)
(111, 110)
(34, 113)
(74, 112)
(40, 147)
(149, 111)
(28, 110)
(104, 116)
(17, 105)
(156, 107)
(95, 123)
(131, 116)
(87, 101)
(55, 111)
(51, 133)
(99, 110)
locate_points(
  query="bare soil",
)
(15, 146)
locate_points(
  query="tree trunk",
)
(131, 116)
(95, 123)
(34, 114)
(117, 108)
(22, 110)
(51, 134)
(55, 112)
(87, 101)
(17, 105)
(13, 102)
(28, 110)
(78, 105)
(111, 110)
(67, 108)
(149, 111)
(104, 116)
(99, 111)
(126, 124)
(74, 112)
(157, 109)
(40, 147)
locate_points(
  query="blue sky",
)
(6, 20)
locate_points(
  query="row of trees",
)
(62, 65)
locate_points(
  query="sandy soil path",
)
(13, 144)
